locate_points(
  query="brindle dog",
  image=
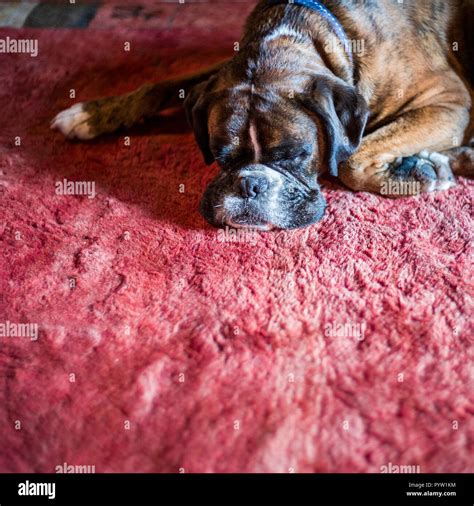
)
(295, 102)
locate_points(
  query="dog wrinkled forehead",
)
(244, 120)
(228, 113)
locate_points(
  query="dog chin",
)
(235, 212)
(225, 208)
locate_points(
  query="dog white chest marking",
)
(257, 151)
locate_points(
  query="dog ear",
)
(344, 113)
(196, 106)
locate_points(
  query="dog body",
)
(380, 96)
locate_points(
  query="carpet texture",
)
(165, 345)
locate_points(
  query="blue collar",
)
(328, 16)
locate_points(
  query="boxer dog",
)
(376, 92)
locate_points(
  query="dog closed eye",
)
(287, 153)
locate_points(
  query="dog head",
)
(271, 145)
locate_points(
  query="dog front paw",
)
(421, 173)
(74, 123)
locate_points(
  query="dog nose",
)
(251, 186)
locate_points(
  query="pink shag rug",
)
(164, 344)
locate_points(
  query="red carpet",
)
(190, 352)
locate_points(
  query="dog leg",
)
(87, 120)
(404, 157)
